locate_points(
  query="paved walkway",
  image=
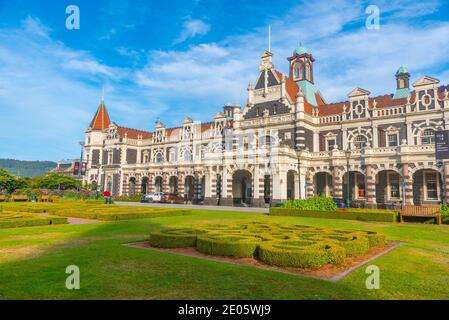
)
(191, 206)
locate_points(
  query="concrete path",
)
(192, 206)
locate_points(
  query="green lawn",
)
(33, 262)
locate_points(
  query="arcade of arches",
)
(372, 188)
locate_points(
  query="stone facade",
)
(287, 142)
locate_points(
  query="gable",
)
(272, 81)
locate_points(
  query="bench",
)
(46, 199)
(3, 198)
(19, 198)
(421, 211)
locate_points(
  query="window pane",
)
(393, 140)
(432, 186)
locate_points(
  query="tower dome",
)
(300, 50)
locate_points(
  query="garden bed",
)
(23, 219)
(283, 246)
(93, 210)
(328, 272)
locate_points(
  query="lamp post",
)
(348, 187)
(82, 144)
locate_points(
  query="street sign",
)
(442, 144)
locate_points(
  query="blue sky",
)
(172, 59)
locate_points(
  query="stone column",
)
(226, 190)
(370, 187)
(210, 189)
(181, 184)
(258, 182)
(337, 183)
(310, 188)
(408, 179)
(165, 183)
(151, 181)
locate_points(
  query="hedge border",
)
(347, 215)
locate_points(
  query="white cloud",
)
(34, 26)
(191, 29)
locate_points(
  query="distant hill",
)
(27, 168)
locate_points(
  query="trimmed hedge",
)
(18, 219)
(239, 246)
(301, 254)
(389, 216)
(281, 245)
(93, 210)
(175, 238)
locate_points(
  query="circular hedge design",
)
(274, 244)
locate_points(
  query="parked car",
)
(152, 197)
(172, 198)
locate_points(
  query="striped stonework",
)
(181, 185)
(165, 184)
(407, 177)
(446, 182)
(370, 185)
(151, 186)
(310, 188)
(337, 181)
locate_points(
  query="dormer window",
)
(359, 142)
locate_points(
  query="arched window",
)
(359, 142)
(308, 72)
(187, 155)
(298, 71)
(159, 157)
(427, 136)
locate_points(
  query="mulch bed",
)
(327, 272)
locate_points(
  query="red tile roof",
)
(101, 119)
(133, 133)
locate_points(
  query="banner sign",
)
(442, 144)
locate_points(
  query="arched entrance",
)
(323, 184)
(291, 185)
(242, 187)
(267, 188)
(173, 184)
(427, 187)
(388, 188)
(145, 184)
(158, 184)
(132, 186)
(189, 188)
(357, 187)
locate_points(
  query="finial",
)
(102, 94)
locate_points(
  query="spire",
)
(101, 119)
(269, 38)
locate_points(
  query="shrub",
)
(379, 216)
(275, 244)
(301, 254)
(319, 203)
(175, 238)
(134, 198)
(240, 246)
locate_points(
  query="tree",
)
(55, 181)
(10, 183)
